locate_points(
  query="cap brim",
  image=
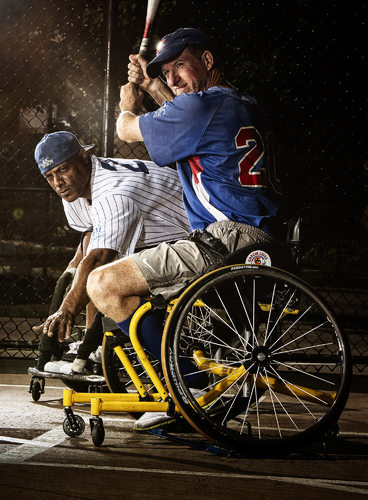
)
(153, 68)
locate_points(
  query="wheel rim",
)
(264, 331)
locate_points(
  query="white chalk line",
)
(30, 448)
(34, 447)
(27, 386)
(54, 437)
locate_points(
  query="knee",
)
(98, 287)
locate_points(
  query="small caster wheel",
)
(75, 431)
(97, 431)
(36, 390)
(332, 433)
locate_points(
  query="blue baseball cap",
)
(171, 45)
(56, 148)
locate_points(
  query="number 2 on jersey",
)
(249, 174)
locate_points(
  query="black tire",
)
(36, 390)
(78, 430)
(97, 431)
(281, 345)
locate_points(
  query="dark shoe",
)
(44, 357)
(57, 353)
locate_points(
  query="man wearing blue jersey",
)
(123, 204)
(224, 149)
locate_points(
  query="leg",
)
(109, 288)
(62, 287)
(92, 338)
(50, 345)
(116, 288)
(90, 308)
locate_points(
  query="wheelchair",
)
(276, 361)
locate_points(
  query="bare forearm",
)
(127, 127)
(77, 297)
(160, 92)
(63, 319)
(78, 256)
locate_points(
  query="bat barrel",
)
(151, 12)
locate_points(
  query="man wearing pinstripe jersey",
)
(126, 204)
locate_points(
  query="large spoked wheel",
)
(278, 363)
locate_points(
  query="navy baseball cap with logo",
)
(56, 148)
(171, 45)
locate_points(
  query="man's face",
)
(186, 73)
(71, 179)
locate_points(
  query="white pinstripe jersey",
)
(134, 204)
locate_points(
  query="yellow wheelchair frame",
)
(125, 402)
(224, 375)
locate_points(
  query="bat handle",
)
(142, 52)
(143, 47)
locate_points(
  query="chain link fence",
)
(61, 65)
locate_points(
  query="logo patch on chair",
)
(259, 257)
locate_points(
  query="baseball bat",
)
(151, 12)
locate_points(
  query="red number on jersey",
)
(249, 137)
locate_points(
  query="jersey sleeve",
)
(117, 224)
(173, 131)
(77, 215)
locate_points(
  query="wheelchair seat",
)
(284, 255)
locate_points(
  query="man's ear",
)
(84, 156)
(208, 59)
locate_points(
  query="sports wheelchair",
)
(277, 363)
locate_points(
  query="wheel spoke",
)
(272, 351)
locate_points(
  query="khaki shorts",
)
(170, 268)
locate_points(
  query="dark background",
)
(305, 62)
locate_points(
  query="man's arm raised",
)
(131, 98)
(127, 125)
(155, 87)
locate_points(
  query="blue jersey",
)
(225, 154)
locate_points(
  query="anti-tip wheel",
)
(97, 431)
(77, 430)
(36, 390)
